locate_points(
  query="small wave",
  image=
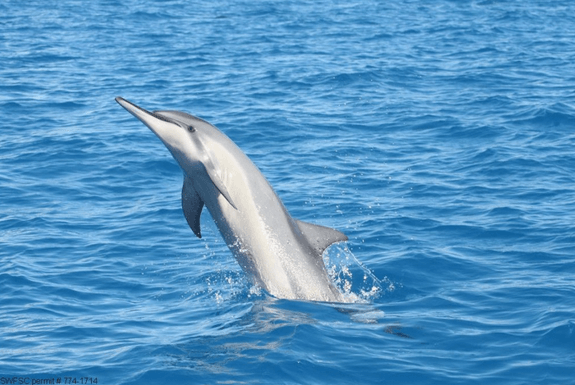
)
(556, 115)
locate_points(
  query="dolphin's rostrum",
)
(281, 254)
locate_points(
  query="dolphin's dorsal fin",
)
(320, 237)
(192, 205)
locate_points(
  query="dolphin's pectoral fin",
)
(192, 205)
(217, 181)
(320, 237)
(210, 164)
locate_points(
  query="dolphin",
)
(282, 255)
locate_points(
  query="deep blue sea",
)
(438, 135)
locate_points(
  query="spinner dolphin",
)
(281, 254)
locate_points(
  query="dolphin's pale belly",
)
(269, 246)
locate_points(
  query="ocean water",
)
(438, 135)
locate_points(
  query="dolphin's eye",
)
(191, 129)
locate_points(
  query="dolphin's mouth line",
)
(121, 100)
(157, 116)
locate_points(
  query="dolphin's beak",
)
(150, 119)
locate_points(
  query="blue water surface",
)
(438, 135)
